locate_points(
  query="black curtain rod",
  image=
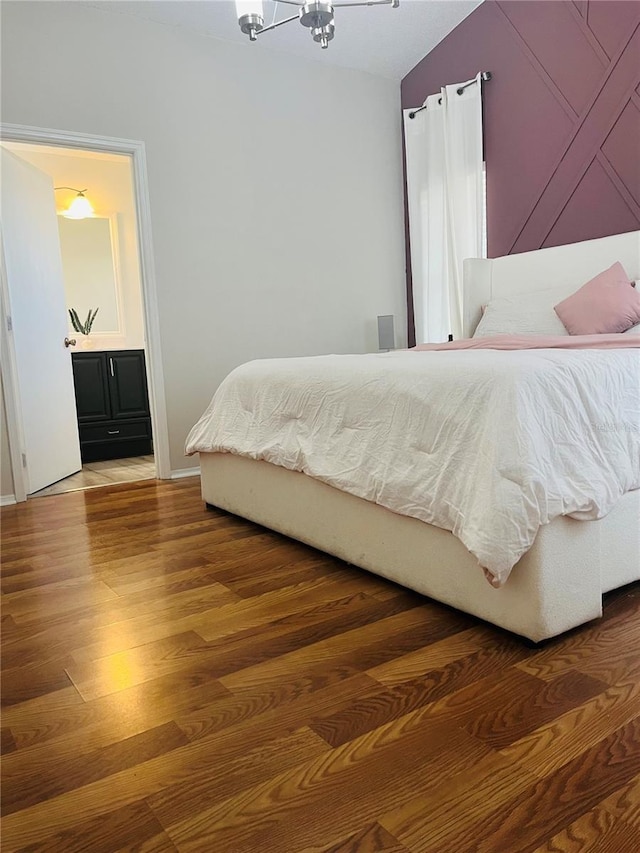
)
(485, 76)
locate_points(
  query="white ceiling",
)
(380, 40)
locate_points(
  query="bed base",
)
(557, 585)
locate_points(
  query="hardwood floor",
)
(179, 679)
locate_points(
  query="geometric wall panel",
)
(562, 49)
(561, 115)
(624, 161)
(581, 219)
(610, 22)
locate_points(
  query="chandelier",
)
(316, 16)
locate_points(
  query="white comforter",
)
(490, 445)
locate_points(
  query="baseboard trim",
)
(179, 473)
(9, 500)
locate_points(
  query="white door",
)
(37, 307)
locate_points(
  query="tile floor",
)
(110, 471)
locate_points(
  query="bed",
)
(557, 584)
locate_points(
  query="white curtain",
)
(446, 198)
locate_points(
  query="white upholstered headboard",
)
(560, 267)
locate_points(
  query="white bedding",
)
(490, 445)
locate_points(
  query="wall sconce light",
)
(80, 207)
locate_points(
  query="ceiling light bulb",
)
(80, 208)
(323, 35)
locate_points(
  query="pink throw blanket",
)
(515, 342)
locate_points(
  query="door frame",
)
(155, 376)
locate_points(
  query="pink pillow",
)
(605, 305)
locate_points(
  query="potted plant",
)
(83, 328)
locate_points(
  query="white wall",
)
(275, 183)
(109, 184)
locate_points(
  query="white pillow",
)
(525, 314)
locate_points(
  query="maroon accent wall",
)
(561, 115)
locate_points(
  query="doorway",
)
(113, 354)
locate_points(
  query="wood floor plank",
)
(263, 609)
(621, 667)
(500, 727)
(9, 627)
(433, 656)
(300, 631)
(37, 574)
(285, 708)
(614, 637)
(255, 765)
(455, 806)
(157, 584)
(372, 839)
(26, 783)
(393, 702)
(126, 787)
(160, 843)
(7, 741)
(56, 598)
(116, 716)
(558, 741)
(56, 701)
(554, 801)
(361, 648)
(247, 583)
(356, 776)
(225, 546)
(625, 803)
(534, 814)
(157, 570)
(117, 626)
(594, 832)
(134, 666)
(87, 625)
(233, 691)
(134, 824)
(21, 683)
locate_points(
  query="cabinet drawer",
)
(115, 432)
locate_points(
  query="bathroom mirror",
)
(90, 269)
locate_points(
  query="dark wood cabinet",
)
(92, 388)
(127, 384)
(112, 403)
